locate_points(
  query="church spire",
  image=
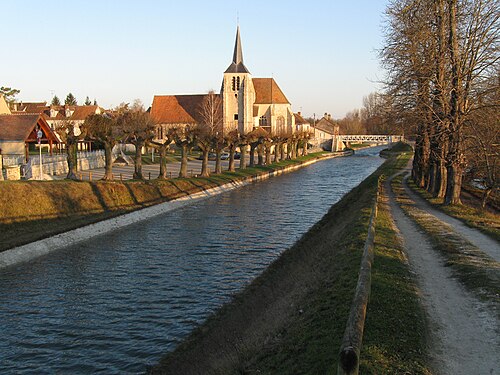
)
(238, 51)
(237, 65)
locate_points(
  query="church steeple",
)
(237, 65)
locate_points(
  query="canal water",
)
(116, 303)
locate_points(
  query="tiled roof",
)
(267, 91)
(83, 111)
(30, 107)
(328, 126)
(177, 109)
(299, 120)
(20, 127)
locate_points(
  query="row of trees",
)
(70, 100)
(132, 124)
(442, 60)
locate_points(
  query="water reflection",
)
(116, 303)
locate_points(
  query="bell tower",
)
(238, 93)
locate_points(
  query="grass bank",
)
(291, 319)
(32, 210)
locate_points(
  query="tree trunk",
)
(277, 152)
(282, 151)
(138, 161)
(289, 150)
(454, 184)
(163, 161)
(71, 150)
(485, 197)
(232, 150)
(218, 164)
(205, 171)
(260, 154)
(252, 154)
(268, 154)
(184, 161)
(108, 160)
(293, 147)
(243, 157)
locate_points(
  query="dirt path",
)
(475, 237)
(464, 334)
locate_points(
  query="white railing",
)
(371, 138)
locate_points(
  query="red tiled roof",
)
(21, 127)
(177, 109)
(83, 111)
(267, 91)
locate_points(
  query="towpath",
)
(463, 329)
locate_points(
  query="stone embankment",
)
(146, 200)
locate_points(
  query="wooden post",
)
(90, 176)
(353, 335)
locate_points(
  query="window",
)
(235, 83)
(263, 121)
(280, 125)
(236, 116)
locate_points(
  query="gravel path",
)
(464, 333)
(475, 237)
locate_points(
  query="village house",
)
(301, 125)
(19, 131)
(247, 103)
(56, 115)
(325, 130)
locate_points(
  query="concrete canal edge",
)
(45, 246)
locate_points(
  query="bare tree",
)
(162, 146)
(185, 139)
(70, 133)
(209, 133)
(232, 140)
(138, 127)
(104, 128)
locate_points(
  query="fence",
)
(350, 349)
(57, 164)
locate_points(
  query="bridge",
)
(341, 141)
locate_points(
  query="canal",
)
(116, 303)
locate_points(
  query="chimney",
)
(329, 116)
(300, 114)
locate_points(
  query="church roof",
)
(177, 109)
(237, 65)
(267, 91)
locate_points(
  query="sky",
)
(322, 53)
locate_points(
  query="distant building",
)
(55, 115)
(301, 125)
(247, 103)
(324, 132)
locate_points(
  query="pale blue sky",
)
(322, 53)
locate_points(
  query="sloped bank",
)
(291, 318)
(70, 212)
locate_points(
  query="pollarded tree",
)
(138, 128)
(185, 139)
(105, 129)
(232, 140)
(70, 134)
(162, 145)
(70, 100)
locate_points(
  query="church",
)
(247, 103)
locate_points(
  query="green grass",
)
(395, 330)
